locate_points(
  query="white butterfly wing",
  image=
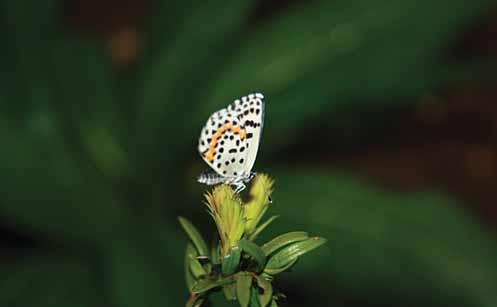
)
(229, 140)
(251, 116)
(221, 141)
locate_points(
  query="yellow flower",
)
(260, 194)
(226, 209)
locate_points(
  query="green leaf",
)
(215, 253)
(138, 268)
(290, 253)
(417, 241)
(205, 285)
(284, 240)
(277, 270)
(189, 278)
(231, 261)
(230, 292)
(254, 298)
(267, 294)
(254, 251)
(335, 42)
(261, 228)
(195, 236)
(49, 280)
(243, 285)
(197, 269)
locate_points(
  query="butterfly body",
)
(229, 142)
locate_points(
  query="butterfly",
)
(229, 142)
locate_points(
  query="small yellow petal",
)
(260, 194)
(226, 209)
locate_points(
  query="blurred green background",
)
(381, 133)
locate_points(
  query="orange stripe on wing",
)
(209, 156)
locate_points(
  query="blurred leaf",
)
(49, 280)
(28, 31)
(329, 54)
(243, 285)
(230, 292)
(190, 253)
(267, 294)
(191, 59)
(197, 269)
(139, 270)
(82, 74)
(231, 261)
(45, 140)
(162, 26)
(215, 253)
(204, 285)
(390, 247)
(45, 190)
(254, 298)
(254, 251)
(195, 236)
(261, 228)
(283, 240)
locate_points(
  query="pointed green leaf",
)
(230, 292)
(273, 303)
(205, 285)
(262, 227)
(243, 285)
(267, 294)
(254, 298)
(231, 261)
(254, 251)
(276, 270)
(189, 278)
(293, 251)
(215, 253)
(197, 269)
(283, 240)
(195, 236)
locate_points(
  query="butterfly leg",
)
(252, 175)
(239, 186)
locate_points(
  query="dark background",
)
(381, 134)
